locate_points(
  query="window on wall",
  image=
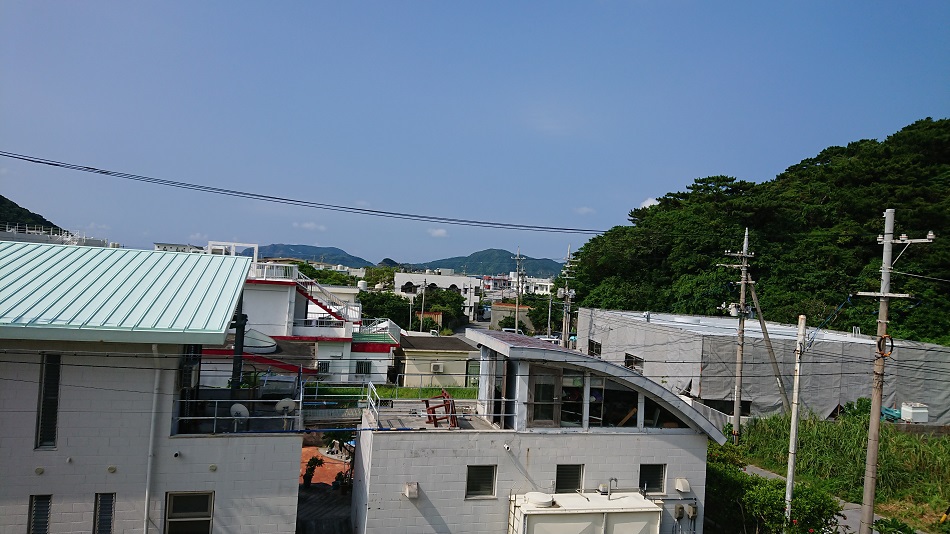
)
(569, 478)
(593, 348)
(364, 367)
(188, 513)
(480, 481)
(652, 477)
(104, 514)
(633, 362)
(39, 513)
(48, 408)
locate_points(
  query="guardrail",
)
(230, 416)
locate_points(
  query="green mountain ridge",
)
(494, 261)
(331, 255)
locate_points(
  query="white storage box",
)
(914, 412)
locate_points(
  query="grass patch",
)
(913, 470)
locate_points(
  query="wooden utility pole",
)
(793, 433)
(566, 293)
(884, 347)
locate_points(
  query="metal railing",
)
(228, 416)
(273, 271)
(349, 310)
(320, 323)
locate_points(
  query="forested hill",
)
(813, 230)
(12, 213)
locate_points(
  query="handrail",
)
(372, 400)
(219, 422)
(349, 310)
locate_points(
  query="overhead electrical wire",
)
(299, 202)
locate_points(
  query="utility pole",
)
(566, 293)
(768, 346)
(517, 259)
(884, 347)
(422, 314)
(793, 433)
(744, 268)
(237, 364)
(550, 300)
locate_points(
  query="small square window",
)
(569, 478)
(481, 481)
(364, 367)
(652, 477)
(633, 362)
(593, 348)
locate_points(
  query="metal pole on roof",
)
(239, 324)
(517, 259)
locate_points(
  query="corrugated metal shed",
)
(73, 293)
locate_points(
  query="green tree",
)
(380, 275)
(383, 304)
(326, 276)
(509, 322)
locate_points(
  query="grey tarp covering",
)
(700, 352)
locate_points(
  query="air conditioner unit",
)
(438, 367)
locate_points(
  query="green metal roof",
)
(367, 337)
(73, 293)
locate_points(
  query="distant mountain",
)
(331, 255)
(495, 261)
(12, 213)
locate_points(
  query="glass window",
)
(652, 477)
(188, 513)
(569, 478)
(480, 481)
(102, 520)
(633, 362)
(48, 409)
(572, 399)
(39, 513)
(593, 348)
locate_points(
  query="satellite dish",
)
(239, 411)
(285, 406)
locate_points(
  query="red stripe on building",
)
(382, 348)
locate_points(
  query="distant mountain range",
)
(490, 261)
(494, 261)
(331, 255)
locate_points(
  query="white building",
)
(410, 285)
(103, 427)
(549, 429)
(696, 356)
(534, 285)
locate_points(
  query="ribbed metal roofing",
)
(73, 293)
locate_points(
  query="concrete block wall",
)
(103, 423)
(439, 460)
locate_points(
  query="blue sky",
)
(545, 113)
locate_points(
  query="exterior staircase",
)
(328, 302)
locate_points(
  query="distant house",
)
(501, 310)
(105, 427)
(437, 361)
(696, 356)
(411, 285)
(557, 441)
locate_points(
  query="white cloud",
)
(438, 232)
(96, 226)
(584, 210)
(197, 237)
(310, 225)
(649, 202)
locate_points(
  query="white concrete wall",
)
(419, 368)
(438, 461)
(104, 420)
(270, 308)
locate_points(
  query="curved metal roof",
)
(74, 293)
(518, 347)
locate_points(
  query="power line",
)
(298, 202)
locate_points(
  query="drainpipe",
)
(156, 389)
